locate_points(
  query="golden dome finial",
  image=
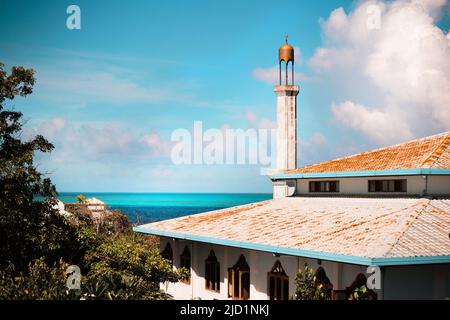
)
(286, 52)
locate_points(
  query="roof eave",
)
(365, 173)
(394, 261)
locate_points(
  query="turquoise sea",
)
(149, 207)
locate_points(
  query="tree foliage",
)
(37, 243)
(307, 287)
(81, 198)
(29, 226)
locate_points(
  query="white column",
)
(286, 145)
(286, 127)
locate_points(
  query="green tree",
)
(29, 226)
(81, 198)
(128, 266)
(37, 243)
(306, 286)
(362, 293)
(39, 282)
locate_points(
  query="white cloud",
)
(91, 86)
(405, 65)
(313, 149)
(100, 142)
(369, 121)
(256, 122)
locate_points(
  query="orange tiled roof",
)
(362, 227)
(429, 152)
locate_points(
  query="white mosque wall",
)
(359, 186)
(341, 275)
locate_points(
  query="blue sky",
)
(109, 95)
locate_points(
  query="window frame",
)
(278, 277)
(239, 273)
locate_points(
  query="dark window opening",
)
(278, 283)
(324, 186)
(185, 262)
(212, 273)
(322, 279)
(359, 282)
(168, 253)
(398, 185)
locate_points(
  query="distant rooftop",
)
(425, 153)
(354, 230)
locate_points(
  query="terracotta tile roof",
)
(362, 227)
(429, 152)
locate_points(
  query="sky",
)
(109, 95)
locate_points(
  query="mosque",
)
(382, 215)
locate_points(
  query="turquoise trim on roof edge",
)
(299, 252)
(366, 173)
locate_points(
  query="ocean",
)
(150, 207)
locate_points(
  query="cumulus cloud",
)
(256, 122)
(313, 149)
(100, 142)
(369, 121)
(404, 64)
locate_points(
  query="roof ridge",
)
(408, 225)
(446, 136)
(437, 152)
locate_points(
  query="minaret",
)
(286, 111)
(286, 144)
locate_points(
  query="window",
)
(278, 283)
(324, 186)
(212, 272)
(322, 279)
(185, 262)
(398, 185)
(168, 253)
(359, 282)
(239, 280)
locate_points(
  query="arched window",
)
(185, 262)
(361, 280)
(278, 283)
(212, 273)
(322, 279)
(239, 280)
(348, 293)
(168, 253)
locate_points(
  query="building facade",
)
(379, 218)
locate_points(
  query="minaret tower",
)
(286, 92)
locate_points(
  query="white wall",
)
(341, 275)
(439, 185)
(415, 185)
